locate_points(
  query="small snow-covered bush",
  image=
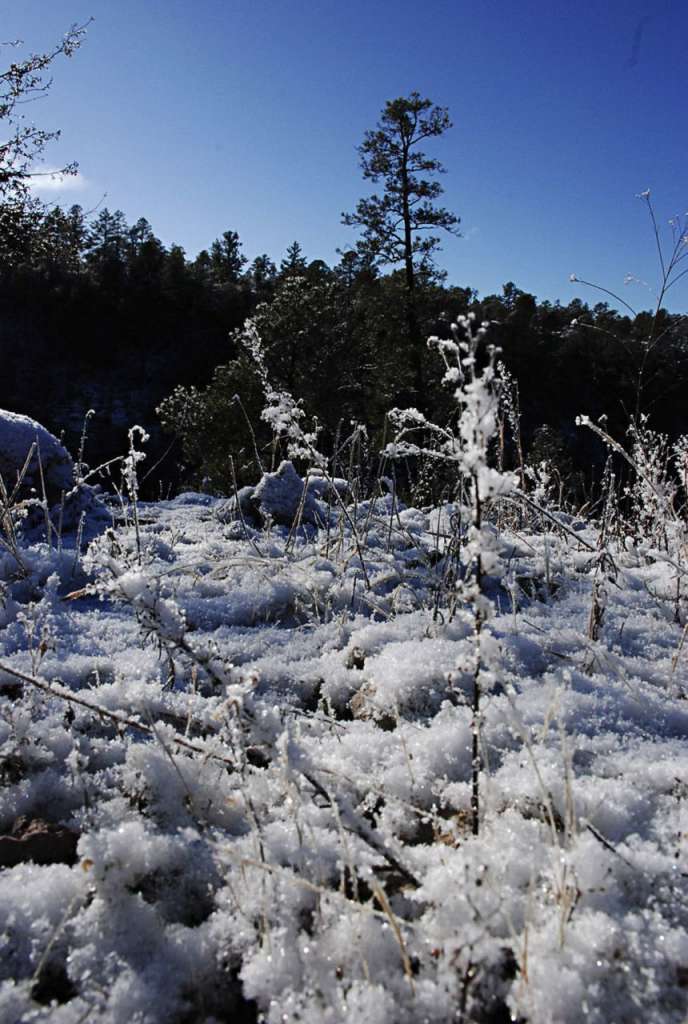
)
(215, 424)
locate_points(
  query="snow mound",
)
(282, 498)
(17, 435)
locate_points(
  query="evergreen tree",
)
(294, 263)
(61, 238)
(146, 257)
(202, 267)
(108, 236)
(394, 223)
(263, 274)
(226, 258)
(21, 218)
(139, 234)
(176, 273)
(107, 245)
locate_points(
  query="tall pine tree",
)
(395, 223)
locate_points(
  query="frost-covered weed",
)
(653, 492)
(654, 518)
(468, 448)
(282, 412)
(510, 407)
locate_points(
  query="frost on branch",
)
(282, 412)
(476, 391)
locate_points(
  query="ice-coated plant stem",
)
(476, 763)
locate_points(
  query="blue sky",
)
(204, 115)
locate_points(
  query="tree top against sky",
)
(563, 114)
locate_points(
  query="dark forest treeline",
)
(96, 313)
(100, 314)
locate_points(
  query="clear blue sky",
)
(204, 115)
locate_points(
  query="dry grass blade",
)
(119, 719)
(381, 897)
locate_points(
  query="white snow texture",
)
(271, 802)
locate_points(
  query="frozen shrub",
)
(214, 427)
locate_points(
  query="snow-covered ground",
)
(268, 814)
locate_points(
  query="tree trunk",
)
(412, 327)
